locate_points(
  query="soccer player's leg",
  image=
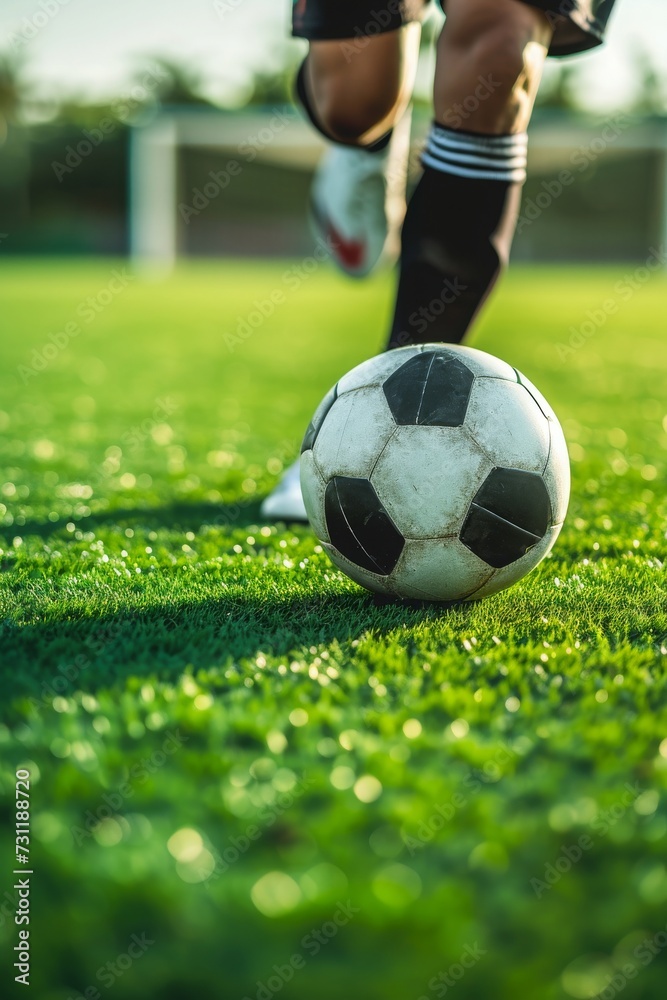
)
(361, 95)
(355, 86)
(355, 89)
(462, 215)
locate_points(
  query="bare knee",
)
(489, 67)
(355, 120)
(359, 97)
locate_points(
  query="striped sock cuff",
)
(480, 157)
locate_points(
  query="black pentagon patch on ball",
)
(360, 527)
(432, 389)
(510, 513)
(318, 419)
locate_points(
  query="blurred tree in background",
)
(178, 84)
(270, 88)
(10, 92)
(14, 146)
(561, 92)
(651, 97)
(63, 184)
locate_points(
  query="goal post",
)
(274, 134)
(280, 135)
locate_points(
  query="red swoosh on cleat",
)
(351, 253)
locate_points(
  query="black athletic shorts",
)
(578, 24)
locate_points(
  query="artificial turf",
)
(289, 787)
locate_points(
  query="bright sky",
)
(90, 48)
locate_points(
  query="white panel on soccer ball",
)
(504, 419)
(480, 363)
(354, 432)
(543, 404)
(438, 569)
(379, 584)
(376, 370)
(313, 488)
(426, 478)
(509, 575)
(557, 473)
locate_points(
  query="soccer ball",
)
(436, 473)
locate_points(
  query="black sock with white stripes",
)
(457, 233)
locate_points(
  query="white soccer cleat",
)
(358, 202)
(285, 503)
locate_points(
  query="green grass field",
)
(280, 784)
